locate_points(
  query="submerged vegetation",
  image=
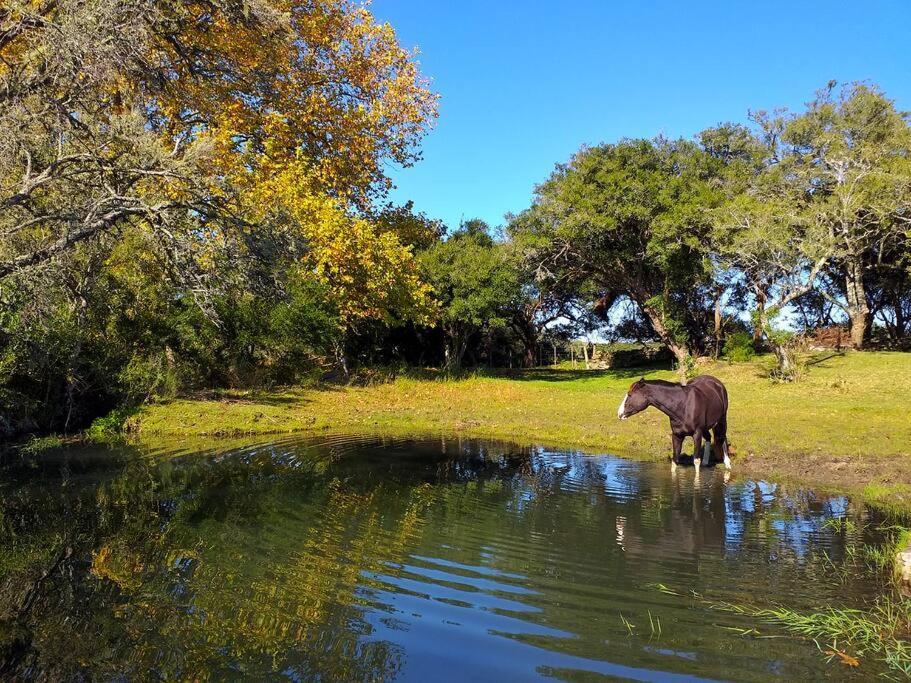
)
(880, 631)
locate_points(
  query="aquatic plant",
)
(882, 632)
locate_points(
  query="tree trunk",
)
(455, 352)
(900, 322)
(718, 323)
(858, 310)
(528, 333)
(758, 325)
(681, 353)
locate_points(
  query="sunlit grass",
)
(852, 407)
(853, 404)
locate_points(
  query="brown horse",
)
(694, 409)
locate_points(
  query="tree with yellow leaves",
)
(186, 181)
(116, 113)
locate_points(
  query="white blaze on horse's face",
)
(622, 408)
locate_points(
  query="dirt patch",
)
(844, 473)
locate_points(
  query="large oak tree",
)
(632, 219)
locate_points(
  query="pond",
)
(362, 559)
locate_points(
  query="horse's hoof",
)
(727, 463)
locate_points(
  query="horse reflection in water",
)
(694, 519)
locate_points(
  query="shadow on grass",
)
(273, 397)
(766, 366)
(569, 375)
(821, 358)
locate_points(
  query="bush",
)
(149, 378)
(738, 348)
(110, 425)
(791, 357)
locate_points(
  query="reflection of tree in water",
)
(193, 567)
(269, 559)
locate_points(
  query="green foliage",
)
(146, 378)
(633, 219)
(687, 368)
(110, 425)
(476, 283)
(738, 347)
(125, 334)
(38, 444)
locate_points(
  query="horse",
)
(693, 408)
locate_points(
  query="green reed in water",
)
(882, 632)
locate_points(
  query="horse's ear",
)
(641, 382)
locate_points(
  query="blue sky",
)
(524, 84)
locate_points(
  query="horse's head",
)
(635, 401)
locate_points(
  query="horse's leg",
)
(707, 448)
(717, 450)
(721, 442)
(677, 442)
(697, 447)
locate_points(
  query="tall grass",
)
(882, 632)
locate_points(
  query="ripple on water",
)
(343, 558)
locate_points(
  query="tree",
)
(765, 232)
(187, 192)
(114, 114)
(851, 152)
(631, 219)
(476, 284)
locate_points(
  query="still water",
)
(359, 559)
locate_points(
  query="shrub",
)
(110, 425)
(791, 357)
(738, 348)
(149, 378)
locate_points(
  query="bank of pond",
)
(359, 558)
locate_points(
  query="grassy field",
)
(846, 425)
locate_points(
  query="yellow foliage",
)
(321, 77)
(294, 107)
(370, 274)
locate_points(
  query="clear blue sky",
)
(524, 84)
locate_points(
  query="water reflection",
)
(363, 560)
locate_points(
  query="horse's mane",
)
(662, 383)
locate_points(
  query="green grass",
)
(882, 632)
(846, 425)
